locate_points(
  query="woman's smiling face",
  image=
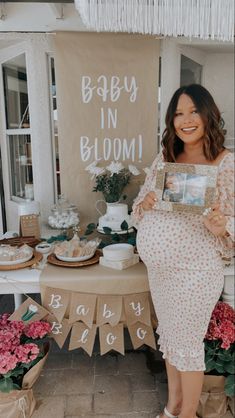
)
(188, 124)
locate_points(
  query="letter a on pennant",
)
(82, 308)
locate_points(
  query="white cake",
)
(116, 214)
(114, 224)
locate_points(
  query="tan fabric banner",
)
(60, 330)
(107, 90)
(109, 310)
(111, 338)
(137, 308)
(56, 302)
(82, 336)
(141, 334)
(29, 311)
(82, 308)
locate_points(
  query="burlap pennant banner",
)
(82, 308)
(60, 330)
(82, 336)
(56, 302)
(29, 311)
(141, 334)
(111, 338)
(109, 310)
(137, 308)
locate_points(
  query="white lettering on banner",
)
(141, 333)
(116, 149)
(110, 338)
(113, 93)
(56, 328)
(55, 301)
(87, 91)
(107, 313)
(111, 118)
(83, 338)
(137, 308)
(81, 310)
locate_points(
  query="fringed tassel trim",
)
(205, 19)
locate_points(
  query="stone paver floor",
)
(74, 385)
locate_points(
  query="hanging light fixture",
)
(205, 19)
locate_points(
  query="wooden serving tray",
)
(18, 241)
(34, 260)
(53, 260)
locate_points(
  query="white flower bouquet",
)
(112, 179)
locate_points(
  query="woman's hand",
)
(215, 222)
(149, 201)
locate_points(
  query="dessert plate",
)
(74, 259)
(14, 262)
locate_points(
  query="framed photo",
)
(185, 187)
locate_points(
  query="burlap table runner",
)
(96, 279)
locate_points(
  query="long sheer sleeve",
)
(148, 186)
(226, 201)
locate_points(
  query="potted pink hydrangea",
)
(23, 352)
(219, 379)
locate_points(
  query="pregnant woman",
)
(182, 251)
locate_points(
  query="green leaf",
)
(229, 387)
(124, 226)
(91, 226)
(102, 244)
(88, 232)
(17, 372)
(210, 364)
(132, 241)
(107, 230)
(116, 238)
(224, 356)
(6, 384)
(230, 367)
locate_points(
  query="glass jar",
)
(64, 215)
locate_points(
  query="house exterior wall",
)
(218, 75)
(219, 79)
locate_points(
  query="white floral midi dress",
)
(185, 268)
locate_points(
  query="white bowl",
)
(118, 252)
(43, 247)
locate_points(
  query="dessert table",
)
(100, 279)
(27, 280)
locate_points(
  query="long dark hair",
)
(213, 138)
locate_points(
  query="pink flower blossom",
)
(222, 325)
(8, 362)
(26, 353)
(37, 329)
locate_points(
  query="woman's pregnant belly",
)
(176, 239)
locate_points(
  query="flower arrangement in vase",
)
(112, 179)
(220, 345)
(22, 346)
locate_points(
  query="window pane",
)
(16, 93)
(190, 71)
(21, 173)
(55, 127)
